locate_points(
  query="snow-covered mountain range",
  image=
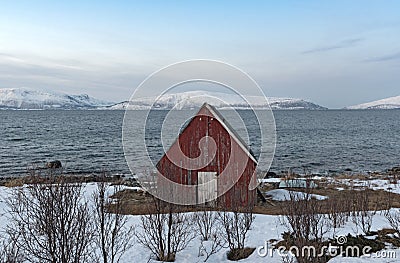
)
(25, 98)
(194, 99)
(388, 103)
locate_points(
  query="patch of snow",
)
(284, 195)
(270, 180)
(375, 184)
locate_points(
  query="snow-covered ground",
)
(374, 184)
(265, 228)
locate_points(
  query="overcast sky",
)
(334, 53)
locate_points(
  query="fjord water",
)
(326, 141)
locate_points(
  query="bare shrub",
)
(303, 217)
(338, 211)
(210, 231)
(205, 222)
(235, 226)
(363, 212)
(9, 251)
(53, 222)
(387, 201)
(393, 217)
(165, 231)
(114, 236)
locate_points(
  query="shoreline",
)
(97, 176)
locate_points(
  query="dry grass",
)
(44, 179)
(14, 182)
(138, 203)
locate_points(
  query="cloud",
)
(342, 44)
(114, 82)
(395, 56)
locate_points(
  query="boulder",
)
(54, 164)
(271, 175)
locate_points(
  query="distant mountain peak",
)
(27, 98)
(388, 103)
(194, 99)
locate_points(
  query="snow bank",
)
(283, 195)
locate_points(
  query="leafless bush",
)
(165, 231)
(235, 226)
(303, 217)
(9, 251)
(363, 212)
(338, 211)
(205, 222)
(53, 222)
(210, 232)
(387, 201)
(113, 236)
(393, 217)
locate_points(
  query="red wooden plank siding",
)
(228, 150)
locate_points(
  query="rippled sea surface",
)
(328, 141)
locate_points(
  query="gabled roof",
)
(229, 129)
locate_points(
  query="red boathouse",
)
(210, 156)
